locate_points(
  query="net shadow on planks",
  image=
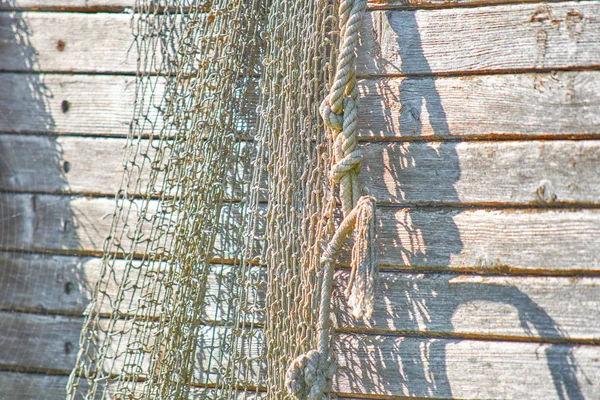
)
(25, 220)
(420, 365)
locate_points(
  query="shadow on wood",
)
(22, 221)
(418, 366)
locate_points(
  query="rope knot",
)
(350, 162)
(309, 375)
(331, 119)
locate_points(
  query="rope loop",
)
(331, 119)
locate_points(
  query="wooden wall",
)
(481, 123)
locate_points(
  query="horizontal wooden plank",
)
(384, 365)
(65, 285)
(68, 5)
(557, 308)
(500, 240)
(484, 39)
(549, 172)
(465, 369)
(548, 36)
(27, 386)
(549, 308)
(488, 106)
(121, 5)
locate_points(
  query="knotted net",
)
(216, 276)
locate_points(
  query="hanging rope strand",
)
(309, 375)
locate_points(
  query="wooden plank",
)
(92, 166)
(526, 308)
(65, 285)
(80, 225)
(549, 172)
(49, 344)
(494, 106)
(496, 240)
(465, 40)
(556, 308)
(549, 36)
(68, 5)
(487, 106)
(27, 386)
(95, 104)
(464, 369)
(120, 5)
(29, 41)
(383, 365)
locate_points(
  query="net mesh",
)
(211, 277)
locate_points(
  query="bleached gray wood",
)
(556, 308)
(494, 106)
(464, 369)
(97, 104)
(68, 5)
(370, 364)
(487, 239)
(527, 308)
(516, 172)
(486, 106)
(65, 285)
(483, 39)
(27, 386)
(555, 35)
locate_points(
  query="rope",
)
(310, 374)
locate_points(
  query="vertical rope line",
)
(310, 374)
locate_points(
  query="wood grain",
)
(548, 36)
(28, 386)
(120, 5)
(548, 105)
(371, 364)
(548, 173)
(497, 240)
(558, 309)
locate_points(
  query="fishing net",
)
(216, 276)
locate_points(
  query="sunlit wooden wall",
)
(481, 124)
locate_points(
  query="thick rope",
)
(309, 375)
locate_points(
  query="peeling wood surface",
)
(563, 104)
(493, 240)
(371, 364)
(558, 309)
(537, 173)
(548, 36)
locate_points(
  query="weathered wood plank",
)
(67, 104)
(384, 365)
(549, 172)
(464, 40)
(549, 36)
(27, 386)
(500, 240)
(68, 5)
(48, 223)
(495, 106)
(121, 5)
(557, 308)
(487, 106)
(65, 285)
(465, 369)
